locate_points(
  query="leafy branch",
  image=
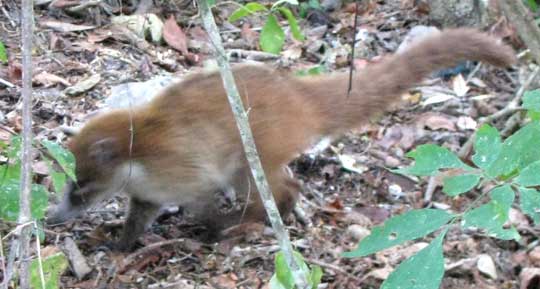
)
(511, 165)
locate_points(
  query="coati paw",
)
(119, 246)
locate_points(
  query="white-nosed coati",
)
(186, 145)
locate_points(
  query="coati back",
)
(185, 147)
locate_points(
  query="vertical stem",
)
(249, 147)
(26, 159)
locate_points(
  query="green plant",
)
(532, 5)
(3, 53)
(284, 279)
(308, 5)
(47, 274)
(511, 165)
(272, 35)
(61, 166)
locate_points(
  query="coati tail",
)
(380, 84)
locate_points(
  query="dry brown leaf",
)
(529, 278)
(64, 26)
(249, 35)
(174, 36)
(435, 121)
(226, 281)
(49, 79)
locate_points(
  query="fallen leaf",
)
(466, 123)
(141, 24)
(223, 282)
(83, 85)
(49, 79)
(174, 36)
(351, 164)
(436, 121)
(486, 265)
(64, 26)
(529, 278)
(459, 85)
(249, 35)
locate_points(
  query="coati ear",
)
(104, 151)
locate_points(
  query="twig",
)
(149, 248)
(38, 250)
(252, 156)
(430, 188)
(3, 258)
(252, 54)
(511, 107)
(522, 19)
(355, 31)
(6, 83)
(334, 268)
(25, 215)
(83, 6)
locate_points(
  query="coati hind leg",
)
(140, 215)
(285, 189)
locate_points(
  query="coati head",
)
(99, 153)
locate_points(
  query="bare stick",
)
(523, 20)
(252, 156)
(511, 107)
(26, 159)
(334, 268)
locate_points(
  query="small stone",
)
(486, 265)
(357, 232)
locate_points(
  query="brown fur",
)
(187, 142)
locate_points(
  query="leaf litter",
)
(346, 192)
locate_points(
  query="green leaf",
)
(53, 267)
(316, 276)
(530, 175)
(211, 2)
(10, 172)
(494, 214)
(59, 181)
(248, 9)
(64, 157)
(283, 277)
(532, 4)
(9, 200)
(283, 273)
(3, 53)
(58, 178)
(295, 29)
(534, 115)
(487, 146)
(530, 203)
(315, 70)
(518, 151)
(531, 100)
(409, 226)
(456, 185)
(424, 270)
(14, 149)
(272, 36)
(429, 159)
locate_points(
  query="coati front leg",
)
(140, 215)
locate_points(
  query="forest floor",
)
(340, 204)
